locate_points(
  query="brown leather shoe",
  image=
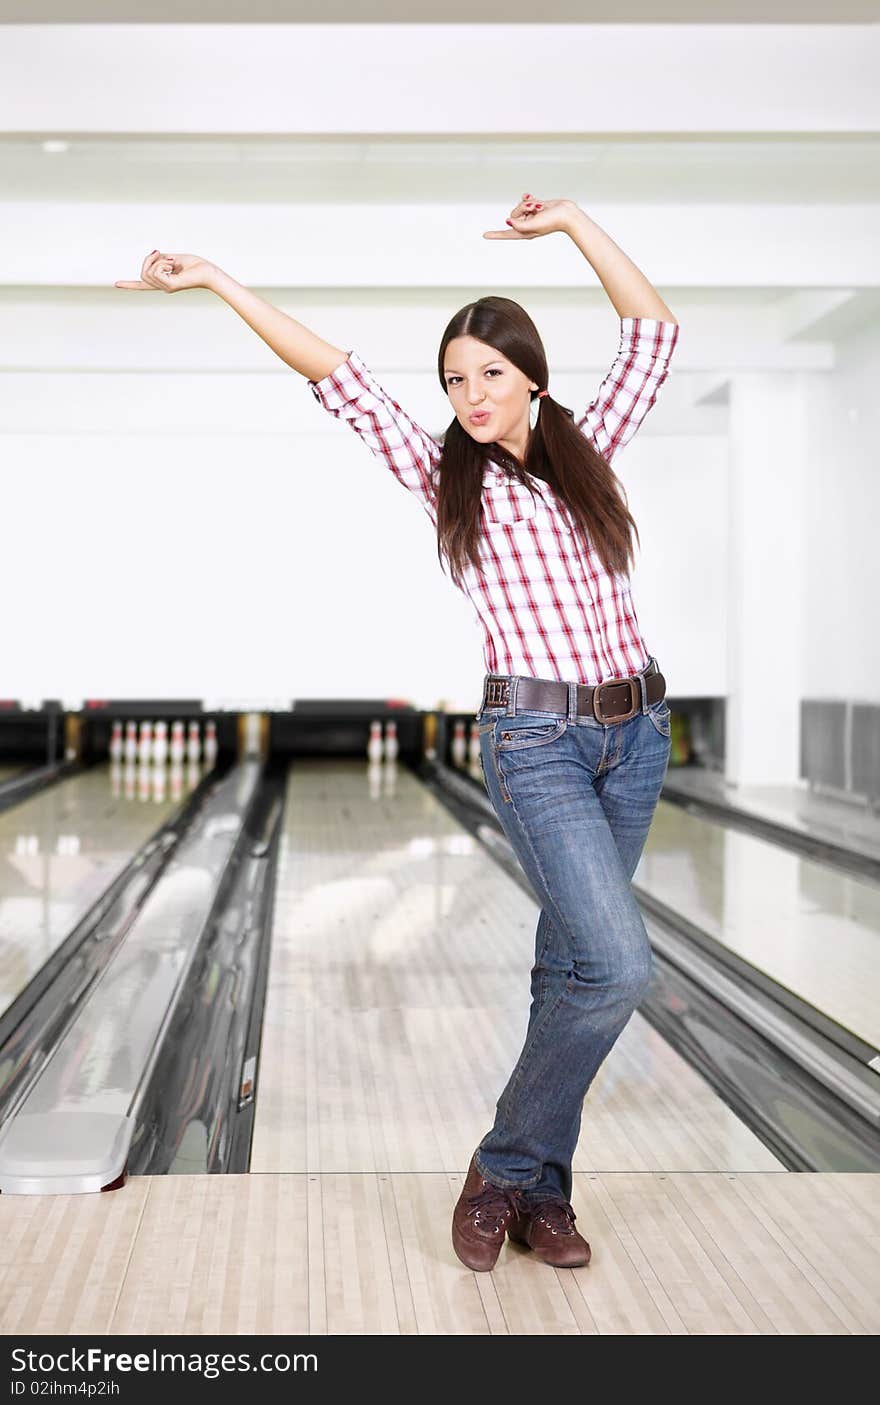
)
(480, 1219)
(547, 1226)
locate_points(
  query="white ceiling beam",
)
(439, 78)
(801, 313)
(271, 245)
(82, 329)
(710, 388)
(818, 314)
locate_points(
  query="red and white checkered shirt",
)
(547, 607)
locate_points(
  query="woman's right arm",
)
(339, 380)
(301, 349)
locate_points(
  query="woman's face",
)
(480, 381)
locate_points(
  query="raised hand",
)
(532, 217)
(169, 273)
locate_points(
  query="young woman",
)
(575, 733)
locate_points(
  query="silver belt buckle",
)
(635, 696)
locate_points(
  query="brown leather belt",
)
(615, 700)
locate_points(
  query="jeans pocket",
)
(661, 717)
(527, 730)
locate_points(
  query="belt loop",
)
(643, 687)
(572, 703)
(511, 701)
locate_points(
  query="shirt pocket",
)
(507, 501)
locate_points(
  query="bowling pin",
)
(145, 780)
(116, 743)
(131, 742)
(160, 743)
(175, 778)
(391, 746)
(210, 743)
(375, 748)
(177, 742)
(459, 744)
(193, 744)
(145, 744)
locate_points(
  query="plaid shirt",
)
(546, 605)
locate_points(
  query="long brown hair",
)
(557, 451)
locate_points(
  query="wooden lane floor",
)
(398, 1000)
(680, 1253)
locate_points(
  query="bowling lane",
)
(398, 999)
(18, 768)
(814, 929)
(59, 850)
(817, 816)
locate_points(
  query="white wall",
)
(842, 567)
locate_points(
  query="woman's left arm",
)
(648, 335)
(627, 287)
(648, 330)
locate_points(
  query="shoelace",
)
(558, 1215)
(491, 1207)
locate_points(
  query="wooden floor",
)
(397, 1004)
(398, 1001)
(717, 1254)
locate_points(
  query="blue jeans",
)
(575, 797)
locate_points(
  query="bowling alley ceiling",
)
(716, 168)
(440, 11)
